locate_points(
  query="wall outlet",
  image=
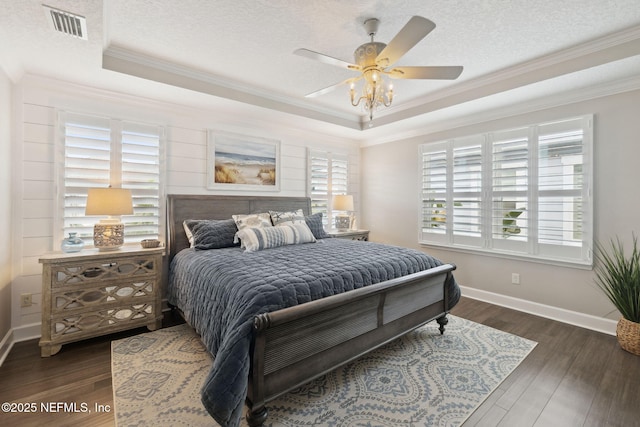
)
(515, 278)
(25, 300)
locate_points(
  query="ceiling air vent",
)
(66, 22)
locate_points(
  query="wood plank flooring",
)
(574, 377)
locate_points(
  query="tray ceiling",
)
(240, 53)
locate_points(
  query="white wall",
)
(391, 188)
(5, 212)
(185, 165)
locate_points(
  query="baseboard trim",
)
(27, 332)
(23, 333)
(587, 321)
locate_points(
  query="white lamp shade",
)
(343, 202)
(109, 201)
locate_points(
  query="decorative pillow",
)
(315, 225)
(255, 239)
(292, 217)
(252, 220)
(210, 234)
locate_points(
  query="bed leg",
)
(257, 416)
(442, 321)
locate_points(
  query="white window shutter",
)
(141, 174)
(510, 189)
(98, 152)
(520, 192)
(328, 175)
(467, 184)
(435, 188)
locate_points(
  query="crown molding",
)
(139, 65)
(606, 49)
(613, 47)
(524, 107)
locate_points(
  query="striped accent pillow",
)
(255, 239)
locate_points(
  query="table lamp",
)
(108, 234)
(343, 202)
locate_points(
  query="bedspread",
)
(221, 291)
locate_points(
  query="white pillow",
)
(292, 217)
(255, 239)
(252, 220)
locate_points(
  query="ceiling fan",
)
(374, 60)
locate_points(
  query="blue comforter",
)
(221, 290)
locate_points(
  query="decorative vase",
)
(72, 243)
(628, 334)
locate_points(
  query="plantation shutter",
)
(328, 176)
(562, 189)
(87, 159)
(467, 186)
(98, 152)
(141, 174)
(510, 190)
(524, 192)
(434, 192)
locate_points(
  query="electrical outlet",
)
(25, 300)
(515, 279)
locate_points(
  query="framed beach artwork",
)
(238, 162)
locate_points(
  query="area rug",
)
(421, 379)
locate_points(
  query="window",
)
(521, 192)
(328, 176)
(98, 152)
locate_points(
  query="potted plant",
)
(619, 278)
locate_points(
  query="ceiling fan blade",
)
(415, 30)
(436, 73)
(326, 59)
(332, 87)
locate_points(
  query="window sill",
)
(582, 265)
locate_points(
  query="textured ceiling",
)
(237, 47)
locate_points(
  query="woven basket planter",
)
(628, 334)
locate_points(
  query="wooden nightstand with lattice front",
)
(91, 293)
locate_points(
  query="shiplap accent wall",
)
(185, 168)
(5, 214)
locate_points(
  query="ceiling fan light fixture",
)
(375, 92)
(374, 60)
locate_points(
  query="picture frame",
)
(242, 163)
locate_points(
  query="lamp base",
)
(108, 236)
(343, 222)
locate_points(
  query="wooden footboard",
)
(297, 344)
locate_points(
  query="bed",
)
(274, 319)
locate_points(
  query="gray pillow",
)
(315, 225)
(211, 234)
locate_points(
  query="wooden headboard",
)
(189, 206)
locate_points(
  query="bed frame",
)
(292, 346)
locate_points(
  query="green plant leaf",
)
(618, 276)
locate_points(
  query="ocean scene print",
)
(244, 162)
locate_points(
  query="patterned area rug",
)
(421, 379)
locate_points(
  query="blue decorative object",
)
(72, 243)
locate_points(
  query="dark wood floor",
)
(574, 377)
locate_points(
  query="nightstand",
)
(90, 293)
(350, 234)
